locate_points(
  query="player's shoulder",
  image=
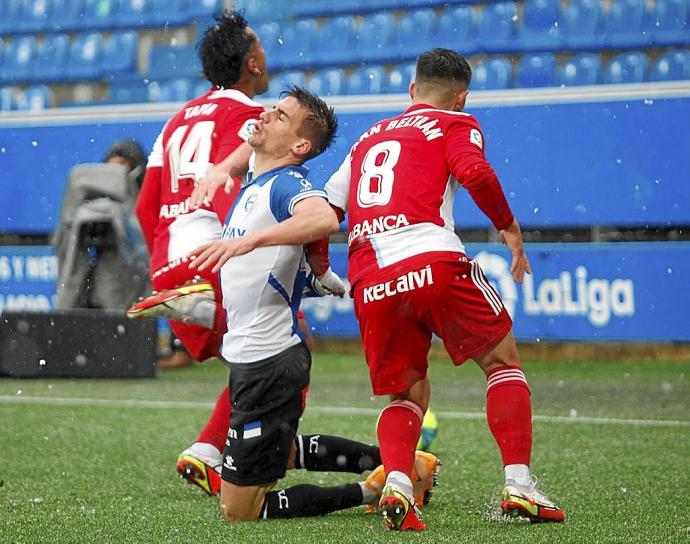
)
(458, 118)
(293, 178)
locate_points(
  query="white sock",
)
(519, 473)
(368, 496)
(400, 482)
(205, 449)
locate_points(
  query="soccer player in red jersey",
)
(411, 278)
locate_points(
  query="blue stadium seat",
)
(85, 56)
(457, 30)
(540, 30)
(173, 90)
(400, 77)
(174, 61)
(99, 14)
(128, 91)
(672, 66)
(11, 14)
(491, 74)
(19, 59)
(133, 13)
(376, 42)
(8, 98)
(497, 28)
(628, 67)
(203, 9)
(369, 79)
(415, 28)
(327, 82)
(582, 24)
(168, 13)
(35, 98)
(51, 58)
(280, 81)
(269, 33)
(296, 44)
(582, 69)
(340, 31)
(262, 10)
(120, 53)
(625, 24)
(200, 87)
(670, 22)
(536, 70)
(36, 15)
(67, 15)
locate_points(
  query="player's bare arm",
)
(221, 175)
(512, 237)
(312, 219)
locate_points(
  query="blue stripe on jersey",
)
(296, 298)
(273, 282)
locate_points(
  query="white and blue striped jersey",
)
(262, 290)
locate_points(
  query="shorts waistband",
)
(244, 368)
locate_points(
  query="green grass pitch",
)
(94, 460)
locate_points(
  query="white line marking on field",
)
(340, 410)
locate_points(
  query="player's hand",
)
(217, 253)
(331, 283)
(208, 185)
(512, 237)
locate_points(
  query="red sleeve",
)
(231, 134)
(148, 204)
(467, 163)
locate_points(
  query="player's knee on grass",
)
(242, 503)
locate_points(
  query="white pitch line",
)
(340, 410)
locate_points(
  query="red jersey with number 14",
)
(204, 132)
(398, 184)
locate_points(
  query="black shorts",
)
(267, 400)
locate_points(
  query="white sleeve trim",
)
(338, 186)
(301, 196)
(157, 153)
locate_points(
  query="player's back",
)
(401, 187)
(205, 131)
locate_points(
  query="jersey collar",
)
(263, 178)
(415, 107)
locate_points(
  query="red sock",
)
(398, 431)
(216, 430)
(509, 413)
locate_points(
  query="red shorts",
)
(398, 316)
(200, 342)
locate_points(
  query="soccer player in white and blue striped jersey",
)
(261, 263)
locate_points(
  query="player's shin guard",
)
(310, 500)
(509, 414)
(216, 429)
(335, 454)
(398, 429)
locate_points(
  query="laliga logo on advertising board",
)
(596, 299)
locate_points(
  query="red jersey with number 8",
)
(398, 184)
(204, 132)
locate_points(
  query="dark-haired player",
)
(204, 132)
(411, 278)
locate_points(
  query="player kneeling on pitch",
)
(262, 272)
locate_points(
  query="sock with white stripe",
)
(335, 454)
(310, 500)
(509, 414)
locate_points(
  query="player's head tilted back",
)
(232, 55)
(443, 78)
(300, 127)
